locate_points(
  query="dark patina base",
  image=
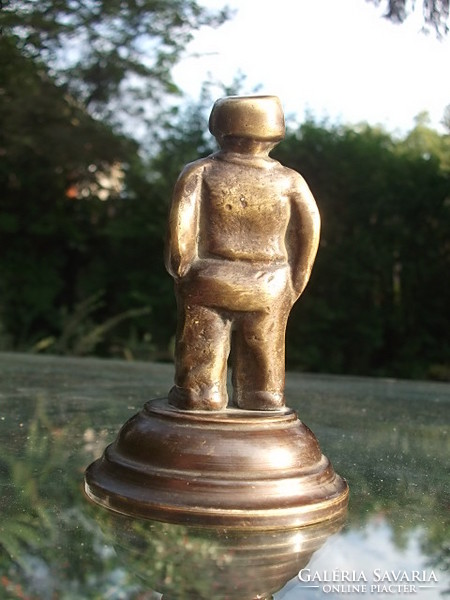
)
(234, 468)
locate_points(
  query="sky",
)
(334, 59)
(350, 551)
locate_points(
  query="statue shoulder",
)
(194, 170)
(298, 184)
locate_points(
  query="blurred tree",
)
(53, 155)
(69, 278)
(426, 142)
(83, 216)
(70, 268)
(82, 221)
(377, 299)
(109, 54)
(435, 12)
(138, 231)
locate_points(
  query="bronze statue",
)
(243, 236)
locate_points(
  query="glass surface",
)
(388, 438)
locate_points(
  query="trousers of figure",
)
(238, 309)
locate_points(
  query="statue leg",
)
(258, 360)
(201, 353)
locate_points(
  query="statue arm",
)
(304, 234)
(181, 243)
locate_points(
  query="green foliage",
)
(83, 220)
(377, 298)
(52, 151)
(64, 64)
(425, 142)
(111, 55)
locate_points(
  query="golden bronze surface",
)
(243, 236)
(233, 468)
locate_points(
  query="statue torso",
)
(245, 210)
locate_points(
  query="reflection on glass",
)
(389, 439)
(379, 569)
(184, 562)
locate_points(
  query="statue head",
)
(258, 118)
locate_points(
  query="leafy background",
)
(84, 205)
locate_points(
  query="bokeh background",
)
(102, 102)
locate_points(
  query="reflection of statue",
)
(207, 563)
(243, 236)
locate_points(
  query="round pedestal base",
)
(235, 468)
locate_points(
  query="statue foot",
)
(261, 400)
(186, 399)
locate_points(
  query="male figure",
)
(243, 236)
